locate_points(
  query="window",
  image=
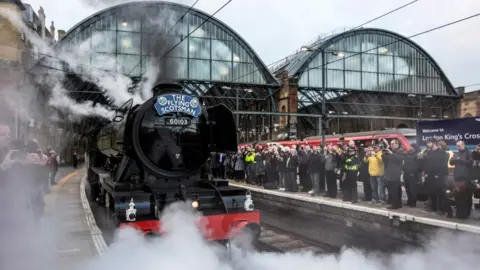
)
(199, 69)
(128, 43)
(221, 50)
(221, 71)
(108, 42)
(199, 48)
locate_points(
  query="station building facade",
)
(17, 55)
(470, 104)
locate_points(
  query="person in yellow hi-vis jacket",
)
(352, 166)
(250, 162)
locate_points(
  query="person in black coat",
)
(259, 169)
(435, 170)
(412, 173)
(462, 160)
(364, 176)
(303, 158)
(292, 168)
(282, 157)
(393, 158)
(475, 172)
(75, 160)
(316, 164)
(351, 170)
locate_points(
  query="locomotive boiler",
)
(154, 154)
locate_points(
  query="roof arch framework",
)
(213, 62)
(367, 59)
(118, 38)
(369, 73)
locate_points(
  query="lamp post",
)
(322, 120)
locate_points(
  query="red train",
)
(154, 154)
(405, 136)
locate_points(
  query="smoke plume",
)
(116, 87)
(53, 79)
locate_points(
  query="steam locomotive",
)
(154, 154)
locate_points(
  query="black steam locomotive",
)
(154, 154)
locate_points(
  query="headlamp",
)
(195, 204)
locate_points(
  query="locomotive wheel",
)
(228, 247)
(101, 195)
(116, 221)
(94, 192)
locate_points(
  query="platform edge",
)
(422, 220)
(97, 236)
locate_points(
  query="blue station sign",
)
(450, 131)
(178, 103)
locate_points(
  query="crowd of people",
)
(381, 166)
(26, 168)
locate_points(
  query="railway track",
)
(277, 240)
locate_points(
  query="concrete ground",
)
(64, 206)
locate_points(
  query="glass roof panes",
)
(371, 60)
(128, 33)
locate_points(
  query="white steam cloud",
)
(183, 248)
(27, 242)
(59, 97)
(116, 87)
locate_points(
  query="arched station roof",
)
(213, 62)
(366, 59)
(119, 38)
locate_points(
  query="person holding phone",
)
(462, 160)
(393, 158)
(374, 159)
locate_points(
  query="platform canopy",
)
(213, 62)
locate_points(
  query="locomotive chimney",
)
(170, 85)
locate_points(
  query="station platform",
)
(67, 205)
(362, 210)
